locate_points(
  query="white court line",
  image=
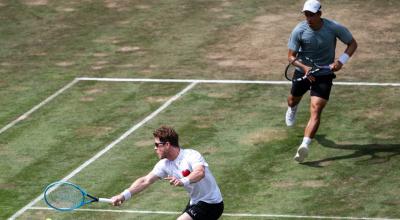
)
(183, 80)
(227, 81)
(224, 214)
(99, 154)
(22, 117)
(25, 115)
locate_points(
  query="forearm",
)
(351, 47)
(292, 58)
(139, 185)
(136, 187)
(196, 175)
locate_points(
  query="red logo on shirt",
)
(185, 173)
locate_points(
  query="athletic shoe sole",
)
(301, 154)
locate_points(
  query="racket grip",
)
(105, 200)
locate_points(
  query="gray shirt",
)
(318, 45)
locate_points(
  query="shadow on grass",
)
(359, 150)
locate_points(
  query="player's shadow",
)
(378, 153)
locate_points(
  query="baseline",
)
(271, 82)
(228, 81)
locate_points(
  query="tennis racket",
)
(66, 196)
(290, 69)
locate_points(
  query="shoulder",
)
(192, 155)
(338, 30)
(332, 24)
(300, 26)
(194, 158)
(299, 29)
(160, 169)
(162, 163)
(190, 152)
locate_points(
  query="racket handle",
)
(105, 200)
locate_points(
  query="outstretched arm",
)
(139, 185)
(351, 48)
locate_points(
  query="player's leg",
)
(320, 92)
(296, 93)
(290, 116)
(316, 106)
(293, 100)
(203, 211)
(184, 216)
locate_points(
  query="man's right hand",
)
(307, 69)
(117, 200)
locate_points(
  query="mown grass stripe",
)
(48, 99)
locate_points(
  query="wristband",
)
(126, 194)
(185, 181)
(344, 58)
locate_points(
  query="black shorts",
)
(321, 87)
(205, 211)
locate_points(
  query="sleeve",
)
(294, 39)
(196, 159)
(160, 169)
(342, 33)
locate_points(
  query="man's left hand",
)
(336, 66)
(174, 181)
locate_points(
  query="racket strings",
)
(290, 71)
(64, 196)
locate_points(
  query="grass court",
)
(84, 83)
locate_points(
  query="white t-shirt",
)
(205, 190)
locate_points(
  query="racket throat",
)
(93, 199)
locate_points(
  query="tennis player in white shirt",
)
(183, 168)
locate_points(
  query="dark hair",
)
(167, 134)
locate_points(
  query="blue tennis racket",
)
(66, 196)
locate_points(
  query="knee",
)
(184, 216)
(316, 110)
(293, 101)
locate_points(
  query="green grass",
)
(242, 137)
(353, 167)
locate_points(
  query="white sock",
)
(306, 141)
(292, 108)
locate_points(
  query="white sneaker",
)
(291, 116)
(302, 153)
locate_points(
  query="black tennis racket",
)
(290, 69)
(66, 196)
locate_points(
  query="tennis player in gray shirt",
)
(315, 38)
